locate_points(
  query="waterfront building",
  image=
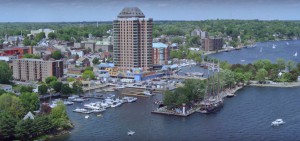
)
(212, 44)
(36, 69)
(160, 53)
(132, 33)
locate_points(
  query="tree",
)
(26, 42)
(57, 55)
(177, 40)
(77, 87)
(50, 79)
(52, 35)
(5, 73)
(65, 89)
(12, 105)
(70, 79)
(290, 65)
(7, 126)
(261, 75)
(24, 129)
(43, 89)
(40, 36)
(24, 89)
(30, 101)
(59, 116)
(56, 85)
(96, 61)
(169, 99)
(280, 64)
(87, 74)
(89, 68)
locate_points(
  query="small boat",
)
(130, 133)
(296, 54)
(287, 43)
(273, 46)
(99, 115)
(98, 110)
(68, 103)
(78, 100)
(230, 95)
(260, 50)
(79, 110)
(277, 122)
(87, 116)
(147, 93)
(73, 97)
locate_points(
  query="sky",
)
(107, 10)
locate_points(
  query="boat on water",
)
(274, 46)
(260, 50)
(213, 99)
(129, 99)
(98, 110)
(80, 110)
(97, 96)
(230, 95)
(130, 133)
(277, 122)
(148, 93)
(68, 102)
(287, 43)
(73, 97)
(78, 100)
(296, 54)
(87, 116)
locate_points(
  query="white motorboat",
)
(87, 116)
(78, 100)
(98, 110)
(73, 97)
(230, 95)
(130, 133)
(277, 122)
(296, 54)
(147, 93)
(129, 99)
(273, 46)
(68, 103)
(79, 110)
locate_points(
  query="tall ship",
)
(213, 98)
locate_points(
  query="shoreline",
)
(278, 84)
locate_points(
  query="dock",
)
(164, 111)
(183, 77)
(94, 87)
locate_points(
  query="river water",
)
(265, 50)
(246, 117)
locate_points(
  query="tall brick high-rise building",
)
(132, 46)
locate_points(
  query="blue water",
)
(246, 117)
(250, 55)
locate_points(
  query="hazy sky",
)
(107, 10)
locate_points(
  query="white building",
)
(7, 88)
(47, 31)
(8, 58)
(77, 52)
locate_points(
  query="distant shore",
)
(278, 84)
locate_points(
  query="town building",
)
(83, 62)
(132, 34)
(80, 53)
(36, 69)
(46, 31)
(7, 88)
(8, 58)
(200, 33)
(160, 53)
(14, 51)
(212, 44)
(103, 46)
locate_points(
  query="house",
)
(7, 88)
(80, 53)
(83, 62)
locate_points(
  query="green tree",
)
(52, 35)
(24, 129)
(280, 64)
(5, 73)
(88, 75)
(57, 55)
(30, 101)
(177, 40)
(70, 79)
(290, 65)
(169, 99)
(89, 68)
(50, 79)
(26, 42)
(261, 75)
(77, 87)
(7, 126)
(12, 105)
(43, 89)
(40, 36)
(24, 89)
(65, 89)
(96, 61)
(59, 116)
(56, 85)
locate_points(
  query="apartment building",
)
(36, 69)
(132, 34)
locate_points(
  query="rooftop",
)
(159, 45)
(131, 12)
